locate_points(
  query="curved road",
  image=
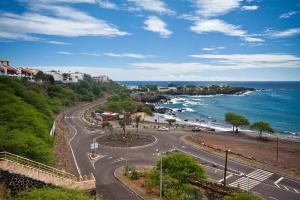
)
(267, 184)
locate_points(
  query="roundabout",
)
(133, 141)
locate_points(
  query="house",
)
(7, 70)
(167, 89)
(108, 116)
(75, 77)
(28, 73)
(101, 79)
(57, 75)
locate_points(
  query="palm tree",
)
(137, 119)
(110, 128)
(123, 126)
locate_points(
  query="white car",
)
(163, 129)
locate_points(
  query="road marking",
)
(230, 175)
(118, 160)
(286, 188)
(109, 157)
(251, 180)
(203, 159)
(280, 179)
(272, 198)
(296, 191)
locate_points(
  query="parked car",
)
(163, 129)
(196, 129)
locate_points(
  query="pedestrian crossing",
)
(251, 180)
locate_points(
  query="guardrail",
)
(36, 165)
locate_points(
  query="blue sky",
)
(201, 40)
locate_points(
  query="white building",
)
(57, 75)
(75, 77)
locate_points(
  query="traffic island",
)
(132, 141)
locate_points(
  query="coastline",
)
(162, 120)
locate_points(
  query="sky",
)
(179, 40)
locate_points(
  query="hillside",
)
(27, 112)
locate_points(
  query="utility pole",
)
(158, 119)
(225, 169)
(277, 148)
(160, 186)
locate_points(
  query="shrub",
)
(242, 196)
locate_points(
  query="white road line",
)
(272, 198)
(252, 179)
(296, 191)
(286, 188)
(280, 179)
(230, 175)
(235, 171)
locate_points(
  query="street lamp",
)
(161, 174)
(225, 169)
(126, 150)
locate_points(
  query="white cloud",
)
(107, 4)
(129, 55)
(217, 25)
(65, 53)
(253, 39)
(155, 24)
(287, 15)
(253, 7)
(285, 33)
(212, 48)
(58, 22)
(58, 42)
(119, 55)
(157, 6)
(213, 8)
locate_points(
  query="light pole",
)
(158, 119)
(160, 185)
(160, 174)
(277, 148)
(225, 169)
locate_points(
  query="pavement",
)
(267, 184)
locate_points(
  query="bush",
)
(242, 196)
(47, 193)
(177, 167)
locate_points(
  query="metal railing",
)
(36, 165)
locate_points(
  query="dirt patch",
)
(117, 140)
(253, 148)
(63, 159)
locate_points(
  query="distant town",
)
(32, 74)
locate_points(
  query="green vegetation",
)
(177, 168)
(48, 193)
(170, 122)
(27, 112)
(236, 120)
(242, 196)
(148, 111)
(261, 127)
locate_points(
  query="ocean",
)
(275, 102)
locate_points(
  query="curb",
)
(126, 186)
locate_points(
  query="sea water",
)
(275, 102)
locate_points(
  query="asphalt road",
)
(267, 184)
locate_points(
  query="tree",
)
(48, 193)
(123, 126)
(177, 168)
(236, 120)
(137, 120)
(242, 196)
(261, 127)
(40, 76)
(170, 122)
(110, 128)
